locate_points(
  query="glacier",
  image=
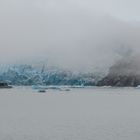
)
(28, 75)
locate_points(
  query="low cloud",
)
(66, 34)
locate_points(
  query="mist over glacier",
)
(75, 35)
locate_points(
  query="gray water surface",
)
(78, 114)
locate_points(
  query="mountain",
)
(124, 73)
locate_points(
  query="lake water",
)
(78, 114)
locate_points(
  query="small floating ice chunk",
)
(42, 90)
(138, 87)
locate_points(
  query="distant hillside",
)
(125, 72)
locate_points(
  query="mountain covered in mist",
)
(124, 73)
(27, 75)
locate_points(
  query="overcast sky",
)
(73, 34)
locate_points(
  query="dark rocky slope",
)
(124, 73)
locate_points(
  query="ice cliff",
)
(28, 75)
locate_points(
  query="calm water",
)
(79, 114)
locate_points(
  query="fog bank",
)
(75, 35)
